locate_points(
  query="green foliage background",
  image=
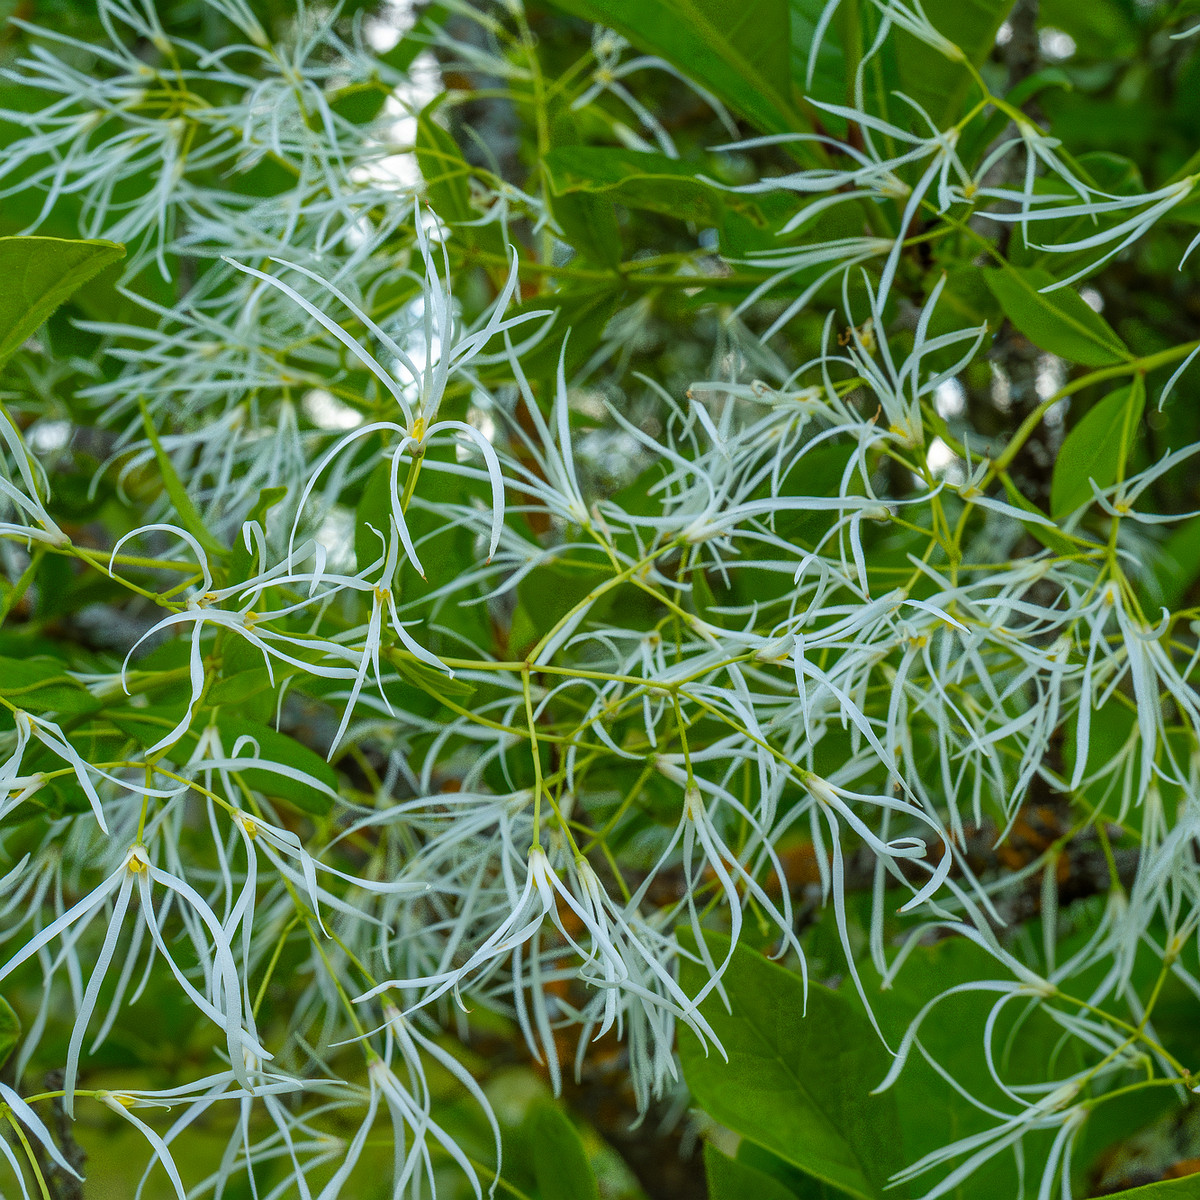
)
(651, 266)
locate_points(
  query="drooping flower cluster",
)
(418, 715)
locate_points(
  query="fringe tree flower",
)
(223, 1003)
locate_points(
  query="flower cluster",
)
(420, 712)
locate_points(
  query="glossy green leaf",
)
(731, 1179)
(651, 182)
(236, 688)
(279, 748)
(443, 168)
(10, 1030)
(797, 1082)
(1060, 322)
(741, 52)
(560, 1161)
(638, 179)
(39, 273)
(146, 725)
(42, 685)
(588, 221)
(1187, 1188)
(434, 683)
(1096, 447)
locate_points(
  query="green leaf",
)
(146, 725)
(268, 497)
(1039, 81)
(246, 682)
(235, 688)
(422, 675)
(796, 1082)
(1111, 728)
(447, 176)
(1096, 448)
(360, 103)
(931, 1115)
(443, 547)
(831, 72)
(1105, 29)
(740, 52)
(585, 313)
(39, 273)
(651, 182)
(279, 748)
(802, 1186)
(1060, 322)
(10, 1030)
(965, 300)
(546, 595)
(1187, 1188)
(188, 514)
(638, 179)
(588, 222)
(589, 225)
(730, 1179)
(560, 1162)
(443, 168)
(42, 685)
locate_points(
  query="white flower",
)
(608, 48)
(27, 499)
(202, 608)
(222, 1005)
(1153, 205)
(900, 387)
